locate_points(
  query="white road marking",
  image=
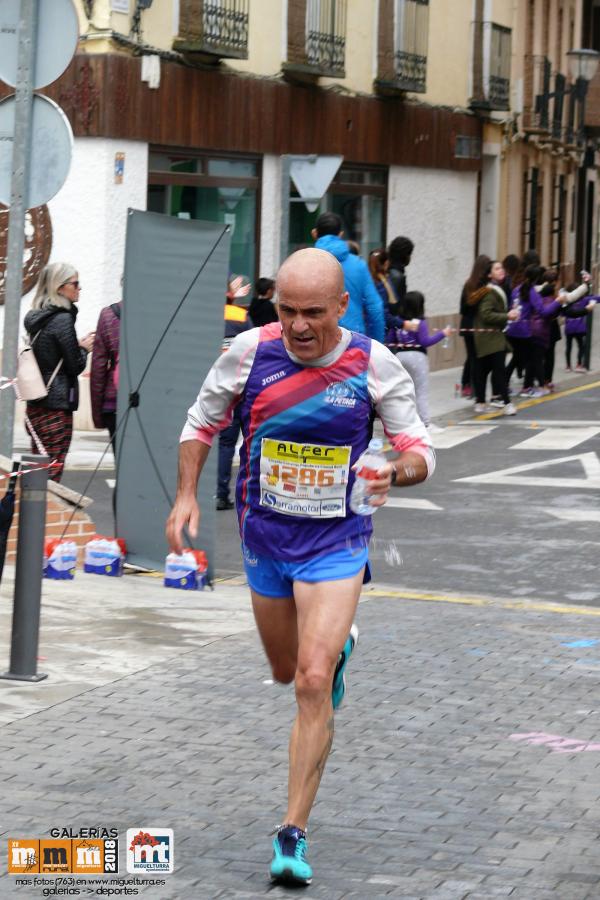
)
(539, 423)
(412, 503)
(557, 438)
(453, 435)
(515, 474)
(576, 515)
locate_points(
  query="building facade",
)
(538, 165)
(422, 115)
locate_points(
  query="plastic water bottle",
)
(446, 341)
(367, 467)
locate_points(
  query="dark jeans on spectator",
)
(549, 360)
(110, 422)
(468, 372)
(537, 367)
(580, 338)
(494, 363)
(519, 358)
(227, 441)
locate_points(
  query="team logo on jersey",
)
(340, 393)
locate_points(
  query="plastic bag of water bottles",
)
(104, 556)
(60, 559)
(186, 571)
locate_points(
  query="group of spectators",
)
(514, 306)
(510, 307)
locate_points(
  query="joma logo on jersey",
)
(271, 378)
(340, 394)
(150, 850)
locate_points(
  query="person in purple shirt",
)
(576, 328)
(532, 326)
(412, 346)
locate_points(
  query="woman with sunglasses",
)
(61, 357)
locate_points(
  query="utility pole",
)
(18, 207)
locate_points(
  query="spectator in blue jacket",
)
(365, 309)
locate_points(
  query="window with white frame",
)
(411, 33)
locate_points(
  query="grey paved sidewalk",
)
(425, 795)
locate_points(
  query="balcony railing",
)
(411, 71)
(498, 81)
(316, 39)
(216, 28)
(411, 40)
(552, 107)
(326, 36)
(536, 107)
(491, 66)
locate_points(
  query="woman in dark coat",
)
(61, 358)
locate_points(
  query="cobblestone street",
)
(433, 789)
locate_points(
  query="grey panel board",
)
(162, 258)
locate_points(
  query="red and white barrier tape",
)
(52, 465)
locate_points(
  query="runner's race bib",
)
(304, 479)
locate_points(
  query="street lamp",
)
(582, 66)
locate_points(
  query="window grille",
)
(216, 27)
(498, 80)
(326, 35)
(411, 38)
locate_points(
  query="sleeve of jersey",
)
(393, 395)
(221, 390)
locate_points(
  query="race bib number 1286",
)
(304, 479)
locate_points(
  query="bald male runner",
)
(306, 390)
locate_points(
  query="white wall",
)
(437, 210)
(89, 217)
(270, 204)
(489, 205)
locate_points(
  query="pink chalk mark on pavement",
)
(556, 742)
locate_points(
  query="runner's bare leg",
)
(277, 626)
(325, 613)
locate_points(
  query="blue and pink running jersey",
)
(304, 426)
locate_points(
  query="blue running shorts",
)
(275, 577)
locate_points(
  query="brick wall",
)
(58, 512)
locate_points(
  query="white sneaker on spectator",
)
(480, 408)
(498, 402)
(509, 409)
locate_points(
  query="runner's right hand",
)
(185, 514)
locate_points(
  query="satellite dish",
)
(57, 36)
(51, 150)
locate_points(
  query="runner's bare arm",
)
(410, 468)
(186, 512)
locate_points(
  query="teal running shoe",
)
(289, 857)
(339, 679)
